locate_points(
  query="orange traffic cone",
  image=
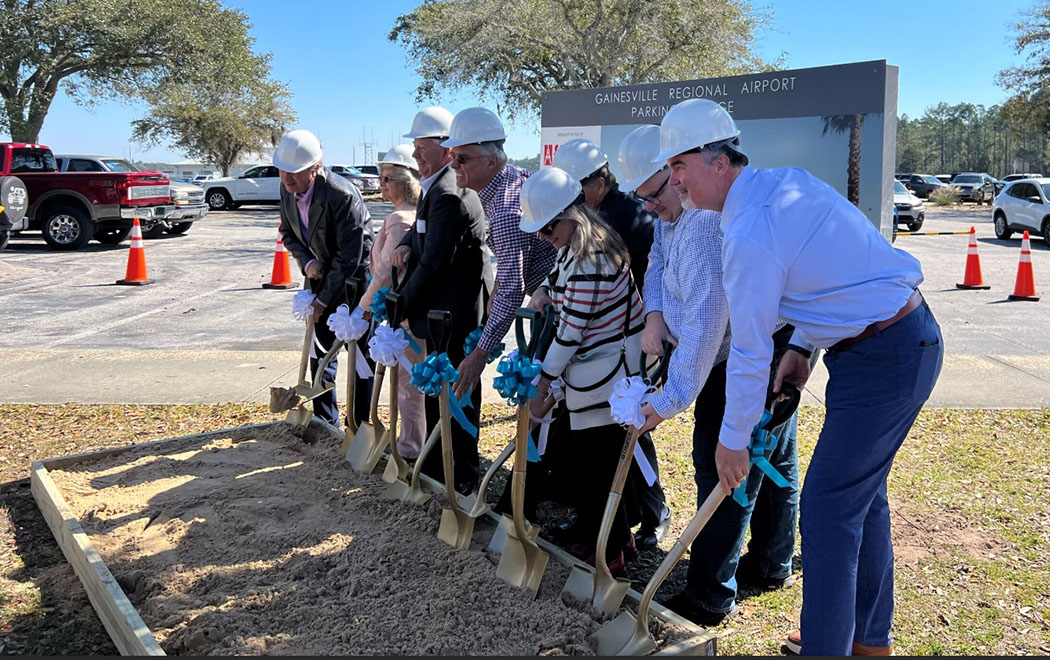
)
(135, 275)
(281, 278)
(1024, 287)
(972, 278)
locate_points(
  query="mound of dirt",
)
(264, 541)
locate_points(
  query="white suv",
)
(1023, 204)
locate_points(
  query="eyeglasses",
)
(386, 179)
(461, 159)
(655, 197)
(548, 228)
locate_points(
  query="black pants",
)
(326, 406)
(651, 502)
(464, 445)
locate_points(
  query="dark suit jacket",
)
(635, 226)
(447, 260)
(338, 222)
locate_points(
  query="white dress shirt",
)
(795, 249)
(429, 181)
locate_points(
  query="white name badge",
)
(421, 226)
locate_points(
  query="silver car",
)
(1023, 205)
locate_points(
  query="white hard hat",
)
(400, 155)
(474, 126)
(298, 150)
(432, 122)
(580, 158)
(544, 195)
(692, 124)
(637, 152)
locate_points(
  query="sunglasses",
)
(461, 159)
(386, 179)
(548, 228)
(655, 197)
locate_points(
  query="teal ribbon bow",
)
(762, 442)
(434, 373)
(514, 382)
(378, 306)
(472, 340)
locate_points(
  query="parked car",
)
(909, 208)
(69, 208)
(201, 179)
(922, 184)
(998, 184)
(944, 178)
(366, 183)
(258, 185)
(367, 169)
(1018, 176)
(974, 187)
(187, 199)
(1023, 204)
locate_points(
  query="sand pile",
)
(265, 542)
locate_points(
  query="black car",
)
(921, 185)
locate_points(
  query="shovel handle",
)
(615, 492)
(353, 287)
(439, 325)
(659, 375)
(526, 348)
(692, 530)
(782, 410)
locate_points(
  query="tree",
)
(108, 49)
(532, 163)
(241, 112)
(514, 50)
(849, 124)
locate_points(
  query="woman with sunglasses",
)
(598, 342)
(399, 184)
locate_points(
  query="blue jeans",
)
(711, 577)
(876, 388)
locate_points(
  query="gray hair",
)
(407, 181)
(730, 148)
(494, 148)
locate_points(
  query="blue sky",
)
(350, 84)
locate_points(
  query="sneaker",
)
(647, 538)
(793, 645)
(684, 606)
(747, 576)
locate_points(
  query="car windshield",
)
(931, 179)
(967, 178)
(351, 170)
(1046, 189)
(117, 165)
(899, 189)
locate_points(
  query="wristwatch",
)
(798, 349)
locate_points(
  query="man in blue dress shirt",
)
(797, 250)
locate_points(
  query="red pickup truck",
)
(71, 208)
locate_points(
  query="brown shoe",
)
(793, 643)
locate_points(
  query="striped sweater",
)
(589, 350)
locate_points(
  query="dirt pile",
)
(265, 542)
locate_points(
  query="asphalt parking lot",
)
(206, 331)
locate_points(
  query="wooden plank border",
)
(122, 620)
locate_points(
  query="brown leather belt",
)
(909, 307)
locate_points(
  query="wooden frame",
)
(122, 621)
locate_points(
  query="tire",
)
(67, 228)
(1046, 231)
(179, 227)
(1002, 229)
(218, 199)
(156, 231)
(5, 236)
(915, 226)
(112, 235)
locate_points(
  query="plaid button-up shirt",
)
(523, 260)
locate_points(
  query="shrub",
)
(944, 196)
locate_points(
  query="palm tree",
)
(852, 123)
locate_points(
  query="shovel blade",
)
(417, 495)
(624, 636)
(522, 564)
(456, 528)
(393, 472)
(395, 490)
(608, 594)
(506, 525)
(580, 584)
(299, 416)
(362, 454)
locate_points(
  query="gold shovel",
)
(352, 287)
(522, 563)
(396, 466)
(413, 491)
(598, 584)
(628, 634)
(367, 446)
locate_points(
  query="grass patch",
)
(970, 493)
